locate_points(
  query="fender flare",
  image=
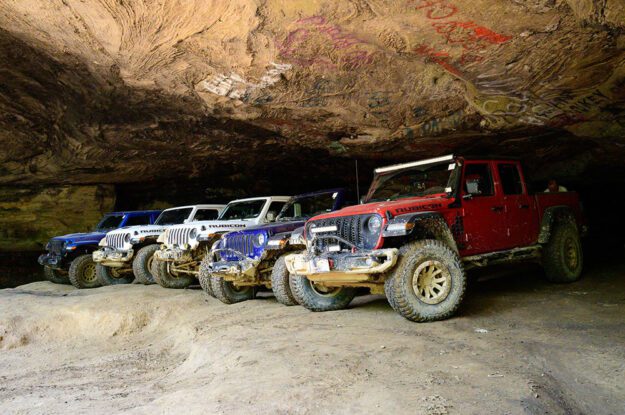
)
(423, 225)
(552, 216)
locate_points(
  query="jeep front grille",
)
(178, 236)
(242, 243)
(115, 240)
(350, 228)
(56, 247)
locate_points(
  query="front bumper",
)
(112, 257)
(54, 261)
(244, 267)
(342, 266)
(173, 255)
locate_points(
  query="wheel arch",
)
(426, 225)
(85, 249)
(553, 216)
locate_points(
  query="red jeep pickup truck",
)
(423, 224)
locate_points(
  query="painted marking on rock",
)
(354, 51)
(236, 87)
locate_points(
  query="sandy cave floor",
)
(519, 345)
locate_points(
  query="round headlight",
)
(193, 233)
(374, 224)
(127, 238)
(259, 240)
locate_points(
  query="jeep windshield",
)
(173, 216)
(307, 207)
(109, 222)
(243, 210)
(424, 180)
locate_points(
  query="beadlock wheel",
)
(570, 253)
(89, 273)
(431, 282)
(325, 291)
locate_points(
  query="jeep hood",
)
(142, 229)
(211, 226)
(272, 228)
(81, 238)
(396, 207)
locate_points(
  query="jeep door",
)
(520, 208)
(483, 209)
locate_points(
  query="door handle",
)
(524, 206)
(497, 208)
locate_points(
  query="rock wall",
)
(29, 217)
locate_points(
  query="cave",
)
(111, 105)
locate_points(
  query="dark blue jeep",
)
(68, 259)
(242, 261)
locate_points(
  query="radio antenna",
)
(357, 183)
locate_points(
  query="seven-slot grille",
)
(348, 227)
(56, 247)
(115, 240)
(178, 236)
(242, 243)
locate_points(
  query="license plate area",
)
(320, 265)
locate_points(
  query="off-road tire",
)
(56, 276)
(166, 280)
(280, 283)
(563, 242)
(204, 276)
(313, 300)
(388, 282)
(140, 268)
(106, 277)
(293, 292)
(399, 287)
(77, 275)
(227, 293)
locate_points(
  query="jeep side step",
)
(502, 257)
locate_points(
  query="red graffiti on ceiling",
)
(472, 37)
(439, 57)
(353, 55)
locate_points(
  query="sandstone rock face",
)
(111, 91)
(28, 217)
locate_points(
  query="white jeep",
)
(129, 250)
(177, 263)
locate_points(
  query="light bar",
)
(414, 164)
(332, 228)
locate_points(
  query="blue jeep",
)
(242, 261)
(68, 259)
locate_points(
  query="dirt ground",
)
(519, 345)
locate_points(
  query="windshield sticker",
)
(451, 166)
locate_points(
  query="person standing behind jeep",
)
(553, 187)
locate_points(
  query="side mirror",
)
(271, 216)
